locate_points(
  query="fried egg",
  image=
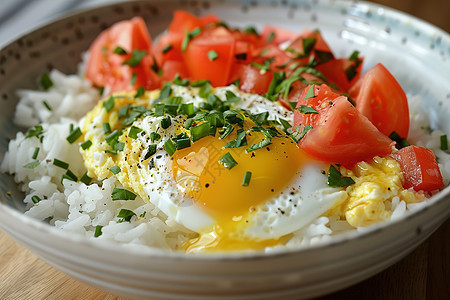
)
(286, 191)
(257, 201)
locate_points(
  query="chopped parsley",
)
(167, 48)
(122, 194)
(136, 57)
(133, 132)
(46, 82)
(133, 79)
(270, 37)
(212, 55)
(240, 141)
(119, 50)
(125, 215)
(400, 142)
(98, 231)
(335, 178)
(304, 109)
(37, 131)
(150, 151)
(310, 93)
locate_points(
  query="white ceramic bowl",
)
(418, 55)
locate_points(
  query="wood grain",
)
(424, 274)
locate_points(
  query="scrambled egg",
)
(376, 184)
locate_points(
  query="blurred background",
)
(18, 16)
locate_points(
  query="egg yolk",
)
(219, 192)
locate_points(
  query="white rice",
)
(78, 208)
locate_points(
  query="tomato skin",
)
(382, 100)
(105, 68)
(171, 69)
(334, 71)
(280, 35)
(420, 169)
(200, 66)
(251, 79)
(340, 134)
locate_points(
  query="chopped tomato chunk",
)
(382, 100)
(420, 168)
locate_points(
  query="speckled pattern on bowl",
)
(417, 53)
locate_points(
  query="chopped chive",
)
(143, 214)
(246, 179)
(71, 175)
(181, 82)
(133, 79)
(86, 179)
(112, 138)
(106, 128)
(134, 132)
(140, 92)
(115, 170)
(226, 131)
(335, 178)
(199, 83)
(36, 131)
(122, 194)
(167, 48)
(183, 143)
(109, 104)
(124, 110)
(47, 105)
(154, 136)
(205, 90)
(60, 163)
(74, 135)
(228, 161)
(297, 136)
(444, 142)
(36, 152)
(136, 57)
(46, 82)
(251, 30)
(119, 146)
(170, 147)
(231, 97)
(188, 36)
(71, 127)
(32, 165)
(36, 199)
(304, 109)
(212, 55)
(150, 151)
(186, 109)
(265, 142)
(125, 214)
(98, 231)
(86, 145)
(119, 50)
(166, 122)
(200, 131)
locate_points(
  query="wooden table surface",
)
(424, 274)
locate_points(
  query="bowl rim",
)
(233, 255)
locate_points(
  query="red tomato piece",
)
(198, 61)
(420, 168)
(276, 35)
(251, 79)
(340, 134)
(105, 68)
(171, 69)
(382, 100)
(183, 21)
(334, 71)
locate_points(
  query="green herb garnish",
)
(46, 82)
(86, 179)
(307, 110)
(106, 128)
(150, 151)
(188, 36)
(400, 142)
(36, 199)
(136, 57)
(115, 170)
(212, 55)
(444, 142)
(170, 147)
(74, 135)
(109, 104)
(32, 165)
(119, 50)
(122, 194)
(134, 132)
(126, 215)
(60, 163)
(335, 178)
(86, 145)
(98, 231)
(36, 152)
(167, 48)
(199, 131)
(246, 179)
(228, 161)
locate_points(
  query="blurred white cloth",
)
(21, 16)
